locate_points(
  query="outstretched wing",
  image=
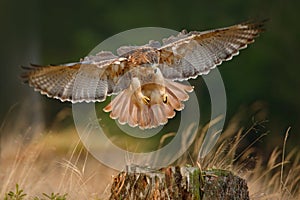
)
(191, 54)
(90, 80)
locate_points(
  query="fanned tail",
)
(126, 109)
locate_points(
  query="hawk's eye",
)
(165, 98)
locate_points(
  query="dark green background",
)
(264, 77)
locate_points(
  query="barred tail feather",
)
(127, 109)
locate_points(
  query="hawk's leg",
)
(137, 92)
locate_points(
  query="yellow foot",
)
(146, 100)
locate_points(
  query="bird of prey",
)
(145, 80)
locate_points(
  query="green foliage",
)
(19, 194)
(16, 195)
(52, 196)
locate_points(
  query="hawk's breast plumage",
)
(143, 78)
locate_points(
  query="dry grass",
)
(273, 177)
(57, 162)
(50, 162)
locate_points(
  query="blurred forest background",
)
(263, 81)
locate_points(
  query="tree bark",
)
(187, 183)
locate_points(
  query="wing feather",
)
(75, 83)
(191, 54)
(90, 80)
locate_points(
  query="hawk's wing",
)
(90, 80)
(191, 54)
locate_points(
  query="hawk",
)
(144, 79)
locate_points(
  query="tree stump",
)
(187, 183)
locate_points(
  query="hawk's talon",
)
(146, 100)
(165, 98)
